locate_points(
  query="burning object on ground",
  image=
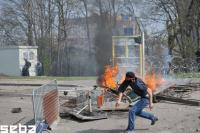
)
(108, 84)
(85, 105)
(107, 81)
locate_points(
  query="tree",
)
(181, 22)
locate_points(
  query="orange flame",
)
(153, 81)
(108, 77)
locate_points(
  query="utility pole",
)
(143, 55)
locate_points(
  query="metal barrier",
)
(174, 65)
(86, 101)
(74, 99)
(46, 103)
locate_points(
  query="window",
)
(125, 18)
(128, 31)
(31, 55)
(25, 54)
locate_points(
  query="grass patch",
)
(188, 75)
(48, 78)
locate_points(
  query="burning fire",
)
(153, 81)
(108, 77)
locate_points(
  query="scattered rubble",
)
(198, 130)
(180, 94)
(16, 110)
(177, 119)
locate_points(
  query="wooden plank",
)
(179, 100)
(95, 116)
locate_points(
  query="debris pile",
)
(180, 93)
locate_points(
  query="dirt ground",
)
(173, 117)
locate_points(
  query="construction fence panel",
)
(46, 103)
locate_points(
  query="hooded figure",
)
(25, 69)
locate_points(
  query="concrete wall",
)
(9, 64)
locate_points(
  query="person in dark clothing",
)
(25, 69)
(39, 68)
(140, 88)
(197, 53)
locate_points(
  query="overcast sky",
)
(149, 25)
(140, 8)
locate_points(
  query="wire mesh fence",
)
(45, 103)
(175, 65)
(79, 101)
(184, 65)
(75, 100)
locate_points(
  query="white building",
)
(12, 59)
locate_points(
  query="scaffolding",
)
(128, 54)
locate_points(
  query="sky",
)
(150, 26)
(140, 8)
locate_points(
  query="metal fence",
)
(76, 100)
(45, 103)
(174, 65)
(82, 104)
(185, 65)
(85, 101)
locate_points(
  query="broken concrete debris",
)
(16, 110)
